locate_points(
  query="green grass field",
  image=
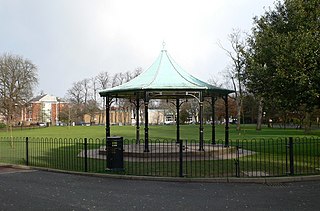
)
(189, 132)
(59, 147)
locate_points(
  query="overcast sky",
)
(70, 40)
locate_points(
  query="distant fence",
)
(21, 127)
(166, 158)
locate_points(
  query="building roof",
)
(43, 98)
(167, 78)
(37, 98)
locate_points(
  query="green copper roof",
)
(163, 75)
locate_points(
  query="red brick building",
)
(44, 108)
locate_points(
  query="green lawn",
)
(189, 132)
(59, 147)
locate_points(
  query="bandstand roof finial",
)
(163, 45)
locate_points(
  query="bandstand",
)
(165, 79)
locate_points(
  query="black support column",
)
(177, 119)
(107, 116)
(146, 123)
(213, 125)
(137, 119)
(201, 122)
(226, 143)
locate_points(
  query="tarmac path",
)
(42, 190)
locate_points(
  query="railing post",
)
(237, 161)
(180, 158)
(85, 155)
(27, 151)
(291, 156)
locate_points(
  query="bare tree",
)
(136, 72)
(103, 79)
(95, 88)
(119, 79)
(214, 82)
(236, 71)
(86, 89)
(18, 77)
(115, 81)
(127, 76)
(75, 94)
(82, 93)
(78, 96)
(131, 75)
(91, 109)
(79, 92)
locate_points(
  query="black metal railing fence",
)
(167, 158)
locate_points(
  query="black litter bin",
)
(114, 149)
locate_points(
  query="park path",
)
(7, 169)
(42, 190)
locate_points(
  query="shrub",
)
(2, 125)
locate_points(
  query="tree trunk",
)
(259, 118)
(307, 124)
(239, 105)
